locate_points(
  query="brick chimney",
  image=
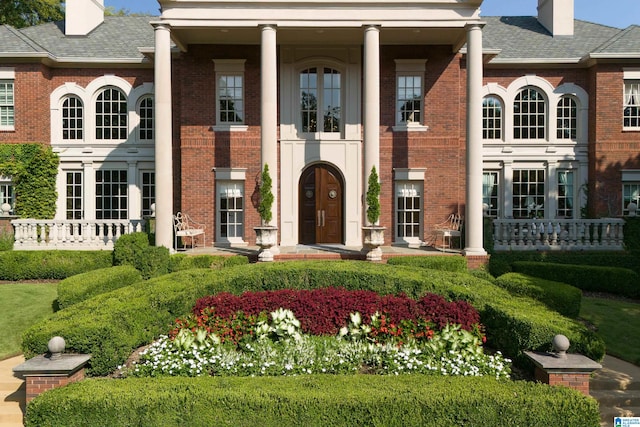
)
(82, 16)
(556, 16)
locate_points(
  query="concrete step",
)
(608, 414)
(599, 383)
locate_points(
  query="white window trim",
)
(9, 74)
(225, 176)
(403, 176)
(321, 63)
(410, 67)
(230, 67)
(630, 77)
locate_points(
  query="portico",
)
(331, 50)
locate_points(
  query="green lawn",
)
(618, 323)
(22, 305)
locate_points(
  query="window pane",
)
(111, 115)
(72, 113)
(529, 115)
(145, 130)
(230, 98)
(528, 193)
(492, 115)
(409, 99)
(111, 194)
(231, 210)
(408, 210)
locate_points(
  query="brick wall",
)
(38, 384)
(575, 380)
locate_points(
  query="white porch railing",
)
(558, 234)
(41, 234)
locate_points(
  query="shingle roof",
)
(118, 37)
(518, 39)
(524, 38)
(626, 42)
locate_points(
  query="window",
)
(148, 193)
(320, 99)
(567, 114)
(6, 105)
(528, 193)
(408, 210)
(490, 192)
(231, 211)
(529, 115)
(491, 118)
(409, 99)
(74, 195)
(111, 115)
(72, 118)
(631, 104)
(630, 193)
(7, 195)
(145, 111)
(111, 194)
(230, 99)
(565, 195)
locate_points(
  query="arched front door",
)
(320, 208)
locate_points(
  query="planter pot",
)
(266, 238)
(373, 239)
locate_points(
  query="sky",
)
(614, 13)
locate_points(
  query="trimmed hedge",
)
(56, 264)
(436, 262)
(563, 298)
(500, 262)
(314, 400)
(179, 262)
(133, 249)
(613, 280)
(110, 326)
(83, 286)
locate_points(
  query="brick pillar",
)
(575, 380)
(39, 383)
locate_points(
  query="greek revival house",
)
(528, 120)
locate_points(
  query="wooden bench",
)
(185, 227)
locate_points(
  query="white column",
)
(135, 193)
(163, 136)
(371, 101)
(269, 110)
(88, 190)
(473, 214)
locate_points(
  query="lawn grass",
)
(22, 305)
(617, 323)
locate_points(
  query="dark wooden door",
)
(320, 205)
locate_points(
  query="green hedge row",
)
(563, 298)
(436, 262)
(179, 262)
(329, 400)
(110, 326)
(501, 262)
(83, 286)
(613, 280)
(56, 264)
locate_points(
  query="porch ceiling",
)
(319, 36)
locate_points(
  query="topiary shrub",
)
(563, 298)
(37, 265)
(444, 262)
(613, 280)
(133, 249)
(87, 285)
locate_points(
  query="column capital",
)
(474, 26)
(372, 27)
(161, 26)
(263, 27)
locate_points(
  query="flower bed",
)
(339, 331)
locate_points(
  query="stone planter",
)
(373, 239)
(266, 238)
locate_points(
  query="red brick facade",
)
(38, 384)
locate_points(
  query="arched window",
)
(320, 100)
(111, 114)
(529, 115)
(72, 118)
(567, 118)
(145, 111)
(491, 118)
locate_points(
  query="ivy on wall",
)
(33, 169)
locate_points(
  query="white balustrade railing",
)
(41, 234)
(558, 234)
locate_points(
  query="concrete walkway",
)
(12, 394)
(616, 387)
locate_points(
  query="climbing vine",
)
(33, 169)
